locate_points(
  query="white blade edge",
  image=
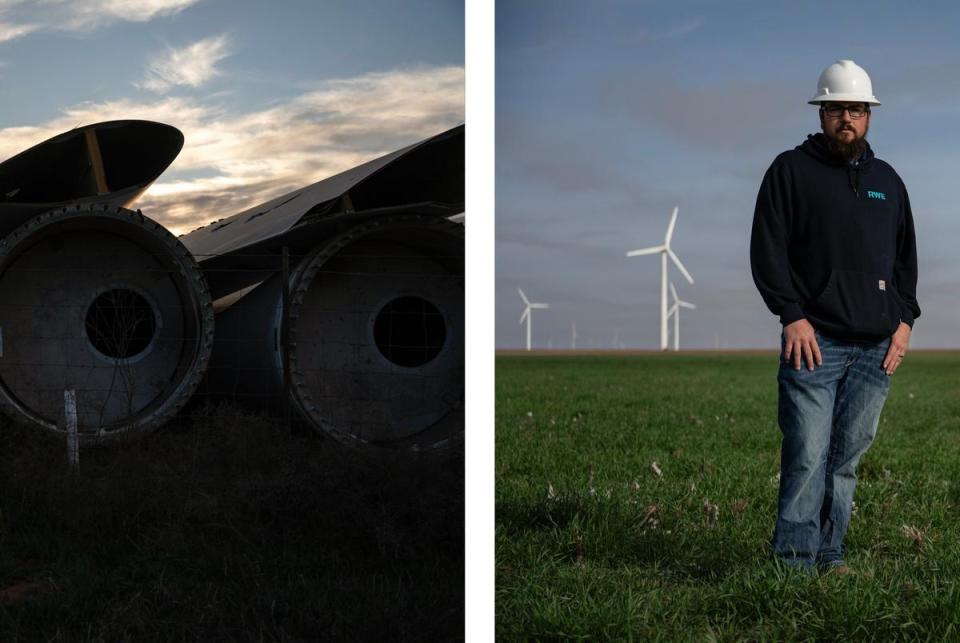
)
(686, 304)
(676, 260)
(673, 291)
(524, 297)
(646, 251)
(672, 310)
(524, 315)
(539, 305)
(673, 222)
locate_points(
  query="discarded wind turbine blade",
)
(125, 311)
(425, 179)
(676, 260)
(357, 373)
(673, 223)
(524, 297)
(108, 164)
(646, 251)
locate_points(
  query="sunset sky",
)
(270, 96)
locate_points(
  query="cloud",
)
(21, 17)
(9, 31)
(91, 14)
(646, 35)
(231, 162)
(191, 66)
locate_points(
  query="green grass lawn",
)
(636, 496)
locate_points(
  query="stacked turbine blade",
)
(375, 317)
(101, 304)
(105, 303)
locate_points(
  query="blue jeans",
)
(828, 418)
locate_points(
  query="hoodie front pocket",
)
(858, 301)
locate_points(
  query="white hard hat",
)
(844, 80)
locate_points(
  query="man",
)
(833, 254)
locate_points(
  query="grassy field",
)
(636, 495)
(225, 527)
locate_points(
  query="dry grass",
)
(226, 527)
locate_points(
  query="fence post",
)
(70, 421)
(285, 336)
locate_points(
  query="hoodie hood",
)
(818, 147)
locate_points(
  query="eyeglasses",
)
(855, 111)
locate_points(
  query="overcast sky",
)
(270, 96)
(610, 113)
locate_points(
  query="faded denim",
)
(829, 418)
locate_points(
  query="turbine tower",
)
(675, 311)
(573, 339)
(527, 315)
(664, 251)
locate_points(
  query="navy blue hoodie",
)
(833, 242)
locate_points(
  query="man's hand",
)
(899, 342)
(800, 341)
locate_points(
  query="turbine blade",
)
(673, 222)
(539, 305)
(525, 314)
(686, 304)
(670, 313)
(676, 260)
(673, 291)
(646, 251)
(524, 297)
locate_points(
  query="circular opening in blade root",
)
(121, 323)
(409, 331)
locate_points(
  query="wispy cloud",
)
(90, 14)
(19, 18)
(647, 35)
(683, 28)
(189, 66)
(234, 161)
(10, 31)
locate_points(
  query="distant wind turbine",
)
(664, 250)
(675, 311)
(526, 314)
(573, 339)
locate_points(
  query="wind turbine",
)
(573, 339)
(675, 311)
(527, 315)
(664, 251)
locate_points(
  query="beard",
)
(848, 151)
